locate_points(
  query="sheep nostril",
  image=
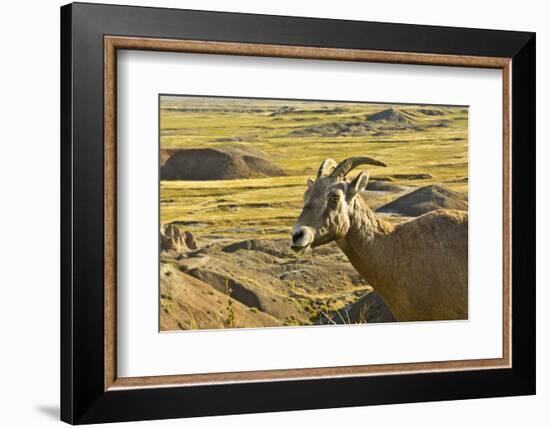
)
(297, 235)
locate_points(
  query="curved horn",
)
(348, 164)
(327, 166)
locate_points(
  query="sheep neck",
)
(362, 244)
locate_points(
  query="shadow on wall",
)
(51, 411)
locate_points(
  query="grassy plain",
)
(298, 136)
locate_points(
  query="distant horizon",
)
(235, 98)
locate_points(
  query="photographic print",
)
(279, 212)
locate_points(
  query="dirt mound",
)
(386, 120)
(273, 248)
(248, 280)
(282, 111)
(384, 186)
(218, 164)
(343, 128)
(421, 176)
(294, 111)
(426, 199)
(370, 308)
(165, 155)
(266, 276)
(188, 303)
(427, 111)
(432, 111)
(389, 115)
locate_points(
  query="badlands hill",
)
(426, 199)
(225, 163)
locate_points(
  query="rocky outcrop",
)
(172, 238)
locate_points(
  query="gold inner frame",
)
(113, 43)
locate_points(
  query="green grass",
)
(268, 207)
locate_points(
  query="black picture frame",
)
(83, 398)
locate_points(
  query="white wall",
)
(29, 230)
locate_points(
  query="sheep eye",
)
(333, 199)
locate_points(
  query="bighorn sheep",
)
(419, 267)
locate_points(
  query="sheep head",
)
(324, 217)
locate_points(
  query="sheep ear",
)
(358, 185)
(309, 182)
